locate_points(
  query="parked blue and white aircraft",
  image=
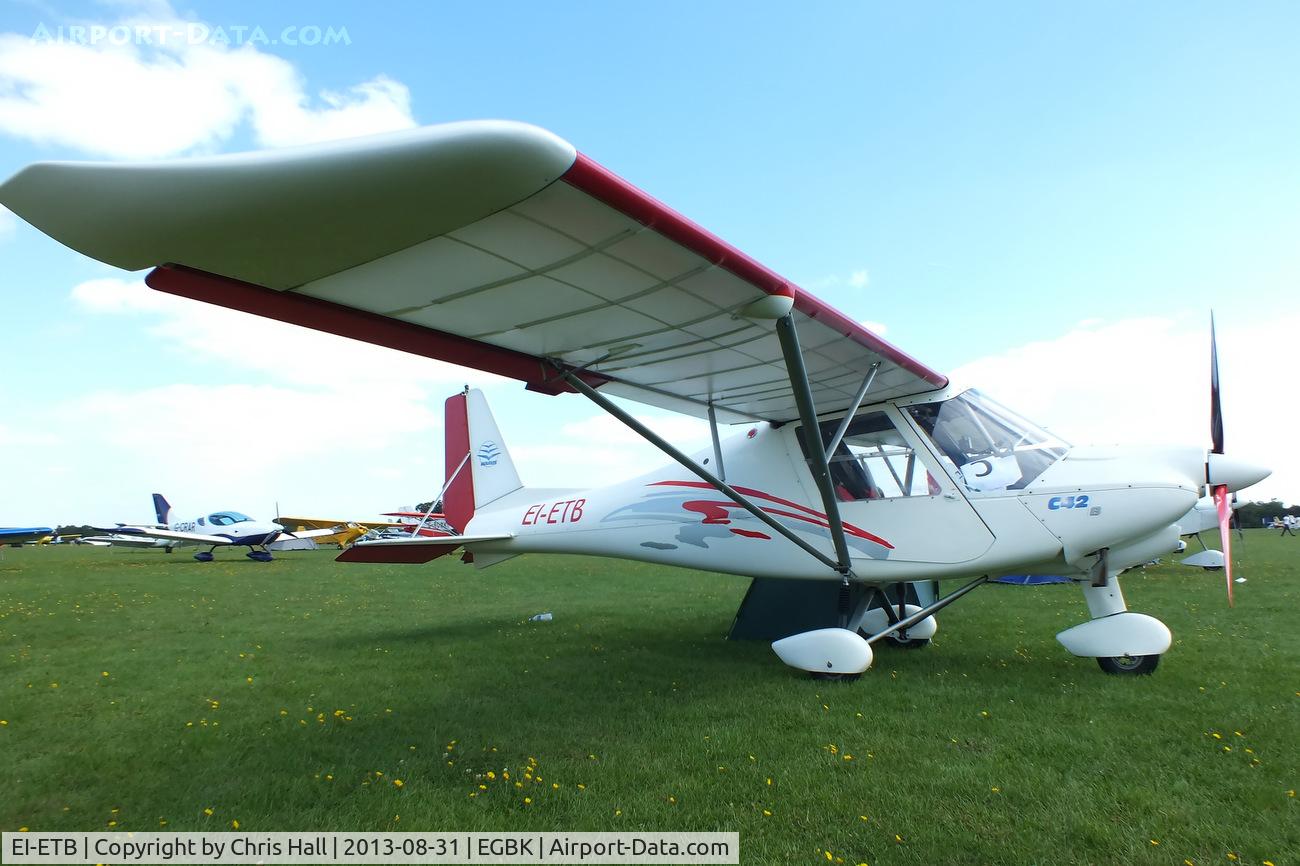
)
(23, 534)
(218, 529)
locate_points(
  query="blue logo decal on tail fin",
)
(488, 453)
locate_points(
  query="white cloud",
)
(159, 97)
(246, 342)
(859, 279)
(877, 328)
(1146, 381)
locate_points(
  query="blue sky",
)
(1047, 199)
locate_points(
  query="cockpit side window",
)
(874, 461)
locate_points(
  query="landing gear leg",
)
(1123, 643)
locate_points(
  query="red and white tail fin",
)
(478, 465)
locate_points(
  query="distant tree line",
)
(426, 506)
(1255, 513)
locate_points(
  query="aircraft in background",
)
(218, 529)
(499, 246)
(16, 536)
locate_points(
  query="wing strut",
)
(717, 446)
(853, 410)
(718, 484)
(821, 470)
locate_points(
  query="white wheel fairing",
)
(876, 620)
(825, 650)
(1121, 634)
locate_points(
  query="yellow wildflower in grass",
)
(984, 713)
(848, 757)
(103, 673)
(4, 723)
(1267, 862)
(528, 801)
(521, 784)
(898, 839)
(22, 829)
(248, 679)
(555, 785)
(618, 812)
(482, 787)
(398, 783)
(863, 817)
(767, 813)
(995, 789)
(234, 825)
(769, 780)
(491, 775)
(112, 823)
(1155, 841)
(581, 787)
(208, 811)
(329, 777)
(1291, 793)
(1232, 857)
(162, 822)
(505, 774)
(1217, 735)
(829, 855)
(672, 800)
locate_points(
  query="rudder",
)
(162, 509)
(478, 465)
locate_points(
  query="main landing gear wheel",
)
(827, 676)
(203, 556)
(1128, 665)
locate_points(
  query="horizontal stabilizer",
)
(410, 550)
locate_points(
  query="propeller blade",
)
(1216, 410)
(1223, 501)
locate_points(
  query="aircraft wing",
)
(410, 550)
(490, 244)
(334, 529)
(167, 535)
(119, 541)
(23, 535)
(292, 524)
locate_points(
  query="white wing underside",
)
(490, 244)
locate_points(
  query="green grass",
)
(991, 746)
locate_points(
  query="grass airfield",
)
(142, 691)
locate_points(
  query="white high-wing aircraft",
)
(219, 529)
(498, 246)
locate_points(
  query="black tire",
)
(829, 676)
(1133, 666)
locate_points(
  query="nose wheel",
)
(259, 555)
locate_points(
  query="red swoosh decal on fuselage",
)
(715, 511)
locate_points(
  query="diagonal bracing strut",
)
(718, 484)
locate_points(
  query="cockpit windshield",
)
(989, 446)
(226, 518)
